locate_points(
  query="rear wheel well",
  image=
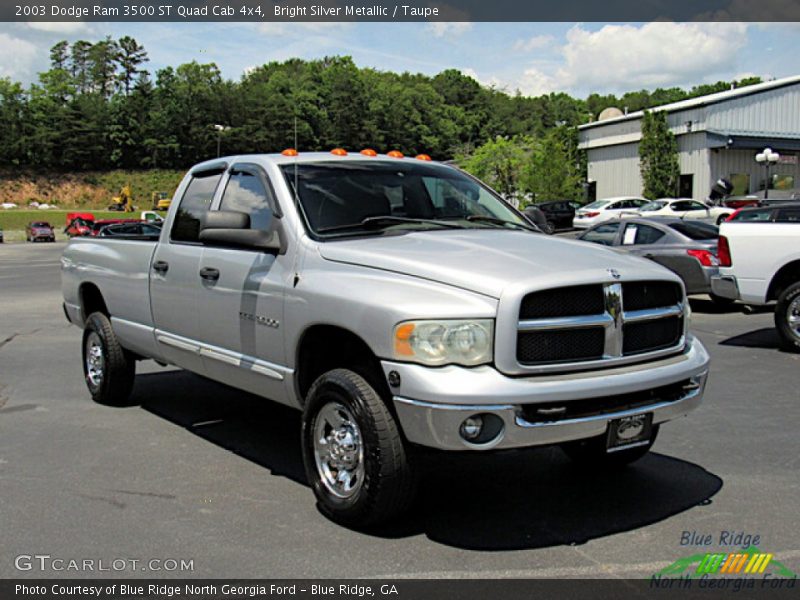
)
(323, 348)
(786, 276)
(92, 300)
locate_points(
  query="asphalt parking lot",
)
(199, 472)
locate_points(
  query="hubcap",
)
(95, 361)
(793, 317)
(338, 450)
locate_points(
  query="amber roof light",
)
(369, 152)
(289, 152)
(339, 152)
(395, 154)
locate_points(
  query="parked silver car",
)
(688, 248)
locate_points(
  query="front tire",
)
(109, 369)
(353, 452)
(592, 453)
(787, 317)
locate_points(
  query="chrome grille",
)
(602, 323)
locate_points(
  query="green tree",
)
(502, 163)
(131, 56)
(658, 156)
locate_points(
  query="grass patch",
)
(15, 219)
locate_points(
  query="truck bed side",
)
(120, 271)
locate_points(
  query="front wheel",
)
(109, 368)
(354, 455)
(592, 453)
(787, 317)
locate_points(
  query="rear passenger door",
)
(240, 301)
(175, 284)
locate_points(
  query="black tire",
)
(721, 301)
(387, 484)
(109, 379)
(592, 453)
(788, 305)
(549, 228)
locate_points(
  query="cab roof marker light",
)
(289, 152)
(395, 154)
(369, 152)
(339, 152)
(422, 157)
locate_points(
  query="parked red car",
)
(79, 224)
(39, 231)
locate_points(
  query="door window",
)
(194, 204)
(637, 233)
(602, 234)
(246, 193)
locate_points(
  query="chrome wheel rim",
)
(95, 361)
(338, 450)
(793, 317)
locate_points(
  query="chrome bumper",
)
(725, 286)
(432, 404)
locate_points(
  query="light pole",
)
(767, 158)
(220, 129)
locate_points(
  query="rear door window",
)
(638, 233)
(696, 230)
(193, 206)
(788, 215)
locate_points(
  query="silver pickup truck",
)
(399, 303)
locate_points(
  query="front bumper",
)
(432, 403)
(725, 286)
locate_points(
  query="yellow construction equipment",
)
(161, 200)
(123, 202)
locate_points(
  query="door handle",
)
(161, 266)
(209, 274)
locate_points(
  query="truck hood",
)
(487, 261)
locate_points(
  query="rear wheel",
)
(787, 317)
(548, 227)
(592, 453)
(354, 455)
(109, 369)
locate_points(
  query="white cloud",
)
(18, 56)
(61, 27)
(285, 29)
(655, 54)
(626, 57)
(441, 29)
(534, 43)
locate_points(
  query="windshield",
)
(40, 224)
(654, 205)
(372, 196)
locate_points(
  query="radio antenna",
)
(296, 192)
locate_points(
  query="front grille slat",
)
(574, 324)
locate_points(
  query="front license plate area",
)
(629, 432)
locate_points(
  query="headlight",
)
(444, 342)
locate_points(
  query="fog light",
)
(471, 428)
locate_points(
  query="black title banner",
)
(400, 10)
(657, 588)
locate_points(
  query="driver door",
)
(240, 304)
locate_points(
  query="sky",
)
(534, 58)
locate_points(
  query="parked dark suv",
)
(559, 213)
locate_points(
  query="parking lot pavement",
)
(207, 474)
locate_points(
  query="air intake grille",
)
(651, 335)
(537, 347)
(641, 295)
(563, 302)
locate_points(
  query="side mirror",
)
(232, 228)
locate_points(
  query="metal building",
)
(718, 136)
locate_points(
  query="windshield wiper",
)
(502, 222)
(386, 221)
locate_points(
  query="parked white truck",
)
(760, 265)
(398, 303)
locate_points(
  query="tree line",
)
(98, 107)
